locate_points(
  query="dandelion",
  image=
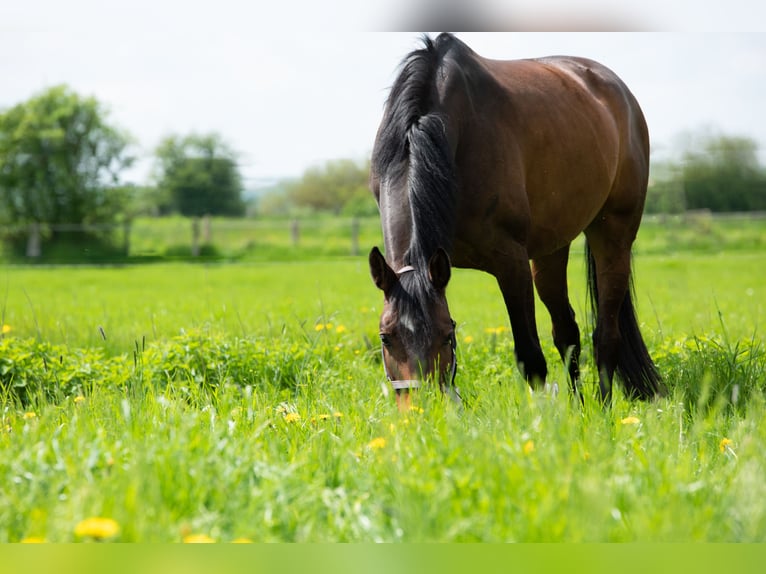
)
(29, 416)
(416, 409)
(323, 417)
(468, 339)
(495, 330)
(78, 399)
(340, 329)
(241, 540)
(319, 327)
(97, 527)
(33, 540)
(630, 421)
(377, 443)
(6, 329)
(528, 448)
(337, 415)
(198, 539)
(292, 417)
(725, 444)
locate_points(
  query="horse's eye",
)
(385, 338)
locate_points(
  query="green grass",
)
(210, 408)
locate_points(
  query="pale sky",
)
(299, 83)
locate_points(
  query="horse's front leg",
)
(514, 277)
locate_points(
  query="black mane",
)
(412, 147)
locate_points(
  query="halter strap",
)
(405, 269)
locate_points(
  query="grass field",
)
(227, 401)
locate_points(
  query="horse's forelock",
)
(413, 300)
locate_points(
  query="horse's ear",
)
(439, 269)
(383, 276)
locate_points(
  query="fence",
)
(177, 237)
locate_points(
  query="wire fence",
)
(178, 237)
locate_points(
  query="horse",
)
(498, 165)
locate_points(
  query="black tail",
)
(635, 367)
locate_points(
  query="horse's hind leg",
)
(550, 276)
(515, 280)
(610, 252)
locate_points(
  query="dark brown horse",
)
(489, 164)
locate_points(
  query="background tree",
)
(713, 171)
(60, 162)
(340, 186)
(200, 176)
(723, 174)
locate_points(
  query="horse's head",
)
(417, 333)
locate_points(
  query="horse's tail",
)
(635, 367)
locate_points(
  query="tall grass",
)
(246, 401)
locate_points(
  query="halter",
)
(406, 384)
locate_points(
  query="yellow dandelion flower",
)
(241, 540)
(377, 443)
(630, 421)
(416, 409)
(292, 417)
(6, 329)
(323, 417)
(340, 329)
(29, 416)
(198, 539)
(529, 447)
(319, 327)
(97, 527)
(468, 339)
(724, 444)
(33, 540)
(337, 415)
(79, 399)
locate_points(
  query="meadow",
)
(180, 401)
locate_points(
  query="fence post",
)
(195, 237)
(355, 236)
(33, 241)
(206, 230)
(295, 232)
(126, 225)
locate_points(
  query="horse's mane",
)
(412, 147)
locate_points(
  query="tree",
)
(200, 175)
(723, 174)
(338, 186)
(60, 162)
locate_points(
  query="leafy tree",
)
(340, 186)
(199, 173)
(723, 174)
(60, 162)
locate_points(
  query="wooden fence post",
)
(33, 241)
(295, 232)
(355, 236)
(206, 230)
(195, 237)
(126, 225)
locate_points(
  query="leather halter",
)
(406, 384)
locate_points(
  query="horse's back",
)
(561, 135)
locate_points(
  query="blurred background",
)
(180, 130)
